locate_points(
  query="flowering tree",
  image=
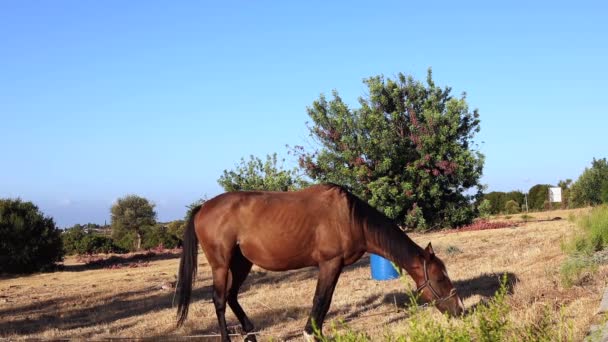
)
(408, 150)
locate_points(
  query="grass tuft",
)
(489, 321)
(591, 238)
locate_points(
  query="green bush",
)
(485, 208)
(594, 232)
(512, 207)
(29, 242)
(526, 217)
(77, 240)
(592, 237)
(93, 244)
(176, 228)
(574, 269)
(498, 200)
(158, 236)
(72, 238)
(125, 239)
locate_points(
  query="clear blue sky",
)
(99, 99)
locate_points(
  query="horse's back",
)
(280, 230)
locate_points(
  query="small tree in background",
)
(176, 228)
(408, 150)
(512, 207)
(130, 215)
(256, 174)
(485, 209)
(29, 241)
(538, 196)
(591, 188)
(497, 200)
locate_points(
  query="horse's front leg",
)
(329, 272)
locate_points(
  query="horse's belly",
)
(277, 257)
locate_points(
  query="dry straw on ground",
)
(86, 303)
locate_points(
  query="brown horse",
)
(323, 226)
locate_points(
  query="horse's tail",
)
(187, 268)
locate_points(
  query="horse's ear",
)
(429, 252)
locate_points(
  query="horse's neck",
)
(393, 244)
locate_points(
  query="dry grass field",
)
(83, 303)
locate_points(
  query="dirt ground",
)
(84, 303)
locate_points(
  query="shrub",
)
(29, 242)
(125, 240)
(592, 237)
(94, 244)
(176, 228)
(499, 199)
(158, 236)
(576, 268)
(526, 217)
(72, 238)
(78, 241)
(451, 250)
(512, 207)
(485, 208)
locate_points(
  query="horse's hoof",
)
(309, 337)
(250, 338)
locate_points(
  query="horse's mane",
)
(379, 228)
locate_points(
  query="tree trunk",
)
(138, 240)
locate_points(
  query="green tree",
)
(591, 188)
(497, 200)
(565, 185)
(538, 195)
(130, 216)
(516, 196)
(29, 241)
(256, 174)
(407, 150)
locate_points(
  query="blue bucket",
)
(382, 269)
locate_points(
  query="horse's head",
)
(435, 286)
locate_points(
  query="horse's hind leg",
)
(220, 280)
(240, 268)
